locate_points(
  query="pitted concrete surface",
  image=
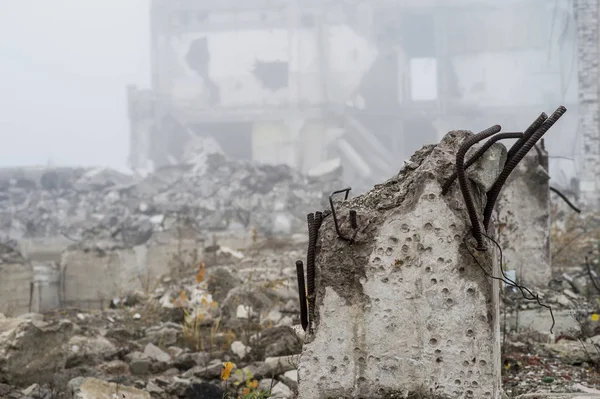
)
(486, 169)
(405, 310)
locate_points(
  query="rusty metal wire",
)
(464, 183)
(564, 198)
(525, 292)
(591, 276)
(478, 154)
(494, 193)
(335, 221)
(302, 294)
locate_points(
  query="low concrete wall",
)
(90, 279)
(62, 276)
(15, 288)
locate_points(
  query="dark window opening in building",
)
(198, 59)
(273, 75)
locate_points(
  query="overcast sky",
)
(64, 67)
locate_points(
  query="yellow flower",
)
(253, 384)
(595, 317)
(226, 370)
(200, 274)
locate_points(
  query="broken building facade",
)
(301, 83)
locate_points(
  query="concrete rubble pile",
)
(214, 192)
(170, 342)
(10, 253)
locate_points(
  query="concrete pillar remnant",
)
(587, 17)
(406, 309)
(523, 220)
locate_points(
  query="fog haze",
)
(64, 67)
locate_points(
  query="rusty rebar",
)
(478, 154)
(535, 125)
(494, 193)
(310, 265)
(464, 183)
(318, 220)
(353, 222)
(302, 294)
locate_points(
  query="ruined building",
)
(365, 84)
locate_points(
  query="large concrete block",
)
(523, 221)
(406, 309)
(15, 288)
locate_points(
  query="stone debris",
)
(170, 342)
(212, 191)
(10, 253)
(93, 388)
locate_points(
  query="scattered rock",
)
(114, 367)
(204, 391)
(240, 349)
(154, 353)
(31, 351)
(92, 388)
(138, 363)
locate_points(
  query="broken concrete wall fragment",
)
(91, 278)
(16, 277)
(406, 309)
(523, 221)
(15, 287)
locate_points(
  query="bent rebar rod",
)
(535, 125)
(478, 154)
(494, 193)
(464, 183)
